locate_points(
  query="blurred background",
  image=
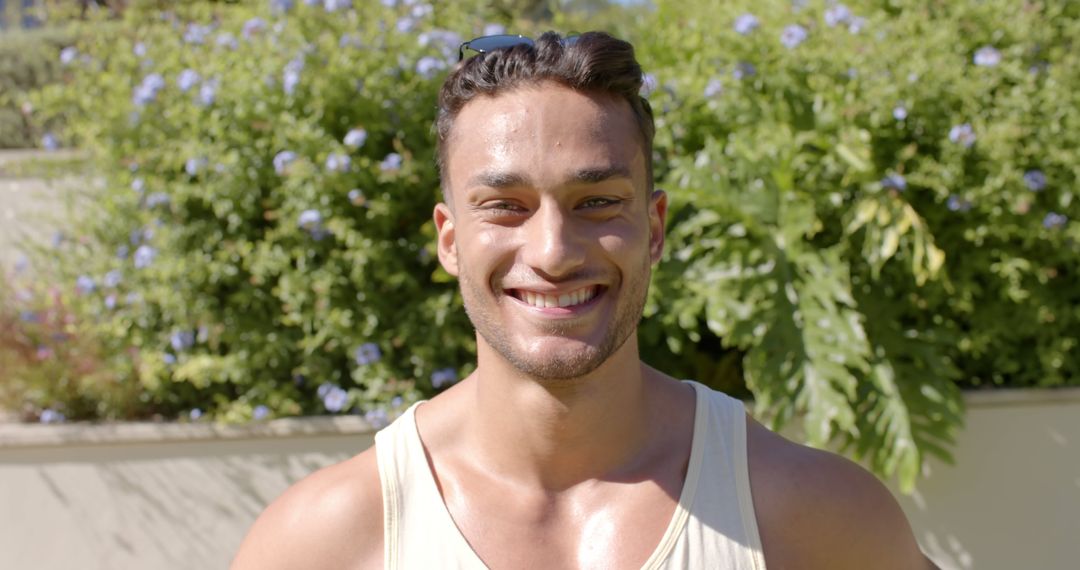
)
(219, 274)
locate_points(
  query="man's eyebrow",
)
(504, 179)
(597, 175)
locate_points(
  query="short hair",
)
(593, 62)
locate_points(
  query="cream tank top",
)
(714, 525)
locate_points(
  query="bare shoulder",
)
(818, 510)
(330, 519)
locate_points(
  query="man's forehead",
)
(530, 127)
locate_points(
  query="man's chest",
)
(611, 525)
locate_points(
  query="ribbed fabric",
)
(714, 525)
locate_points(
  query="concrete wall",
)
(167, 496)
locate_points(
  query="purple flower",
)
(335, 399)
(260, 412)
(899, 112)
(309, 220)
(962, 134)
(28, 317)
(396, 402)
(168, 359)
(421, 11)
(443, 376)
(856, 24)
(281, 6)
(405, 25)
(337, 162)
(1035, 180)
(49, 142)
(377, 418)
(356, 197)
(368, 353)
(391, 162)
(713, 88)
(85, 284)
(894, 182)
(291, 75)
(181, 340)
(743, 69)
(1054, 221)
(144, 256)
(139, 49)
(208, 93)
(138, 185)
(110, 301)
(648, 84)
(746, 23)
(313, 2)
(282, 160)
(957, 204)
(122, 252)
(113, 278)
(793, 35)
(195, 414)
(324, 389)
(43, 353)
(428, 67)
(987, 56)
(226, 40)
(355, 138)
(51, 416)
(837, 14)
(493, 30)
(196, 34)
(252, 27)
(336, 5)
(187, 79)
(147, 90)
(68, 55)
(194, 165)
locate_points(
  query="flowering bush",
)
(872, 204)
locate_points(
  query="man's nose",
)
(554, 244)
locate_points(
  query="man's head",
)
(550, 223)
(593, 62)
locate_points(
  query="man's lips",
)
(557, 299)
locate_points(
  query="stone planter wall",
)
(168, 496)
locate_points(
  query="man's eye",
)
(600, 202)
(503, 206)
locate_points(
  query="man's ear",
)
(447, 238)
(657, 224)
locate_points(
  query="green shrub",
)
(857, 227)
(29, 60)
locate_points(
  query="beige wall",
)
(181, 496)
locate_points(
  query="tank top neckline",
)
(431, 494)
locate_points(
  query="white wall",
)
(161, 496)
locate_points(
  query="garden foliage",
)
(872, 206)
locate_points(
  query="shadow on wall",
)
(148, 505)
(1013, 498)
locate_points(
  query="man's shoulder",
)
(817, 509)
(331, 519)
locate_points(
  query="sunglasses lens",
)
(488, 43)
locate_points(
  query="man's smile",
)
(573, 300)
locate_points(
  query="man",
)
(563, 449)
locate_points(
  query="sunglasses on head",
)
(487, 44)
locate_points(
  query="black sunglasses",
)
(486, 44)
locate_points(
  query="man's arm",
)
(818, 510)
(331, 519)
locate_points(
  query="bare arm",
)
(331, 519)
(818, 510)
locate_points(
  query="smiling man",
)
(563, 449)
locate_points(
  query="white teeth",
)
(565, 300)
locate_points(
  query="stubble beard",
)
(564, 366)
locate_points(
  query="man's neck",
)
(552, 435)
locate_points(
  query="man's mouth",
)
(562, 300)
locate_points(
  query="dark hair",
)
(593, 62)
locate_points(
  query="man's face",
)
(551, 231)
